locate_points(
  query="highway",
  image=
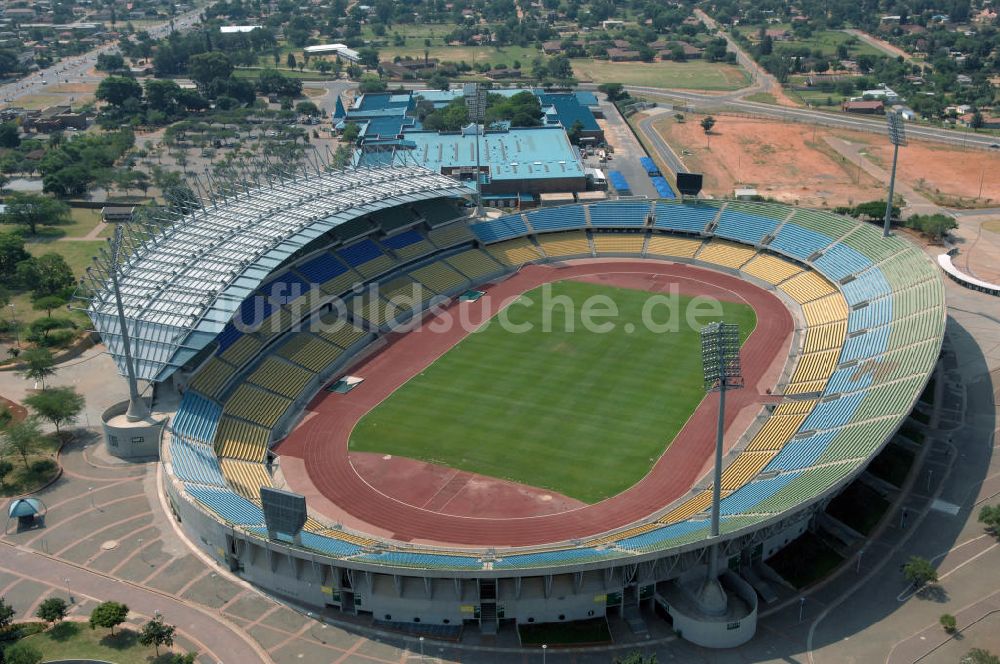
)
(78, 68)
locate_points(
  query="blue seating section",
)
(194, 462)
(691, 218)
(800, 453)
(404, 239)
(869, 285)
(649, 166)
(660, 535)
(839, 261)
(830, 414)
(285, 289)
(872, 343)
(799, 241)
(749, 228)
(618, 214)
(415, 559)
(878, 312)
(196, 418)
(229, 335)
(329, 545)
(359, 252)
(619, 182)
(557, 218)
(544, 558)
(663, 188)
(743, 499)
(227, 505)
(254, 310)
(322, 268)
(502, 228)
(848, 380)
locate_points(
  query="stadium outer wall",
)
(477, 596)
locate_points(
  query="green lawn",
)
(691, 75)
(74, 640)
(78, 254)
(578, 412)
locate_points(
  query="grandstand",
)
(873, 316)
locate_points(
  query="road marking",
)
(944, 506)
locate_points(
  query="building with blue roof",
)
(565, 109)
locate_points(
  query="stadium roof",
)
(517, 154)
(182, 284)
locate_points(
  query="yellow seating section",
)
(824, 337)
(375, 266)
(439, 277)
(286, 379)
(474, 263)
(246, 478)
(452, 234)
(212, 377)
(725, 253)
(619, 243)
(256, 405)
(236, 439)
(678, 247)
(309, 351)
(744, 468)
(815, 366)
(775, 432)
(572, 243)
(827, 309)
(771, 269)
(338, 331)
(806, 287)
(514, 252)
(240, 352)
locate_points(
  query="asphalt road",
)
(78, 68)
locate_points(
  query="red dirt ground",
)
(412, 501)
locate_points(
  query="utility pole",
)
(475, 103)
(136, 406)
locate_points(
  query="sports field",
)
(574, 411)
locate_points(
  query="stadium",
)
(476, 481)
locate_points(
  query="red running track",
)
(316, 463)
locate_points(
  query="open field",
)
(471, 54)
(548, 408)
(75, 640)
(825, 41)
(781, 161)
(691, 75)
(792, 163)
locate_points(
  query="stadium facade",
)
(870, 313)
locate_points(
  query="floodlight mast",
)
(897, 136)
(720, 355)
(475, 104)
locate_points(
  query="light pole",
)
(421, 648)
(860, 554)
(897, 136)
(17, 328)
(475, 104)
(802, 604)
(720, 358)
(545, 648)
(69, 593)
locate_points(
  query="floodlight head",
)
(897, 130)
(720, 356)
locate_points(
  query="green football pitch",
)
(579, 412)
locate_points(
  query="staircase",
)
(488, 618)
(631, 614)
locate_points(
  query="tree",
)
(22, 438)
(438, 81)
(39, 364)
(156, 633)
(948, 622)
(117, 89)
(574, 132)
(48, 303)
(10, 135)
(614, 91)
(22, 652)
(12, 252)
(7, 613)
(307, 108)
(707, 123)
(208, 67)
(52, 610)
(108, 615)
(5, 468)
(351, 132)
(919, 571)
(977, 120)
(58, 405)
(49, 274)
(989, 516)
(34, 210)
(290, 61)
(979, 656)
(371, 83)
(934, 226)
(110, 62)
(635, 657)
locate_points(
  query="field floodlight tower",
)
(897, 136)
(720, 358)
(475, 104)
